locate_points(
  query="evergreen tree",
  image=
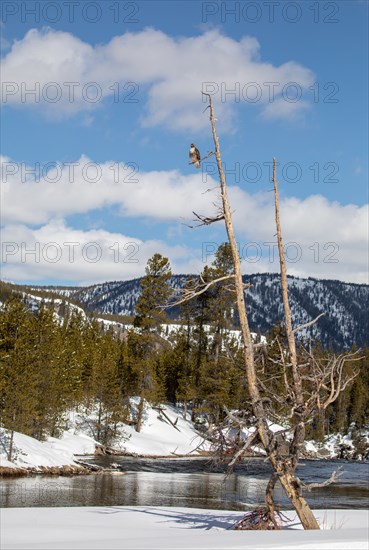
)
(358, 403)
(184, 353)
(218, 303)
(18, 377)
(142, 353)
(155, 293)
(105, 389)
(79, 348)
(51, 388)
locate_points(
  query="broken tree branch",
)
(203, 158)
(241, 451)
(334, 477)
(305, 325)
(190, 294)
(205, 220)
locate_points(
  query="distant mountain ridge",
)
(346, 305)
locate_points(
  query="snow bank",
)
(163, 433)
(160, 528)
(158, 437)
(4, 463)
(80, 444)
(31, 453)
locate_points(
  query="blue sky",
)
(110, 152)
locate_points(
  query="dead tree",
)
(283, 470)
(306, 393)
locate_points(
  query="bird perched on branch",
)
(195, 156)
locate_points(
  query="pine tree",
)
(51, 387)
(358, 405)
(79, 348)
(142, 353)
(18, 377)
(216, 369)
(105, 389)
(184, 352)
(155, 293)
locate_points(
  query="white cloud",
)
(281, 108)
(161, 195)
(327, 239)
(324, 239)
(58, 252)
(173, 71)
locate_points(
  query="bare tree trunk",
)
(98, 434)
(269, 500)
(140, 414)
(11, 443)
(283, 472)
(210, 422)
(299, 435)
(291, 485)
(288, 481)
(258, 407)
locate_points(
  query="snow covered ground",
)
(159, 528)
(163, 433)
(31, 453)
(154, 528)
(158, 437)
(169, 329)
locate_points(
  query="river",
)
(195, 482)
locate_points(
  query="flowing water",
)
(185, 482)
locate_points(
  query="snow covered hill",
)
(43, 456)
(164, 433)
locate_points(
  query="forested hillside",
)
(346, 305)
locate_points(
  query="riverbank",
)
(164, 528)
(164, 434)
(51, 457)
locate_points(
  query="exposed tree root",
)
(260, 520)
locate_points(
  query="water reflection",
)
(190, 486)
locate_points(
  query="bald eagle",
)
(195, 155)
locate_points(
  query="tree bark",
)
(269, 500)
(140, 414)
(303, 510)
(98, 434)
(11, 443)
